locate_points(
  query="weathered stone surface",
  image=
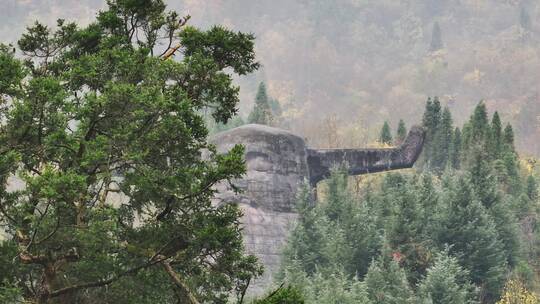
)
(276, 166)
(278, 162)
(363, 161)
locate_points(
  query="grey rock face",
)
(364, 161)
(276, 166)
(278, 162)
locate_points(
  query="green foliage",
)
(412, 231)
(107, 140)
(386, 282)
(216, 127)
(12, 72)
(335, 288)
(430, 121)
(496, 136)
(287, 295)
(261, 113)
(401, 132)
(469, 229)
(446, 282)
(532, 188)
(451, 234)
(328, 287)
(455, 150)
(9, 293)
(385, 136)
(443, 142)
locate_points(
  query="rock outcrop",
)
(278, 162)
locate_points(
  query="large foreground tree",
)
(105, 196)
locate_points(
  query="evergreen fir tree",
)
(442, 141)
(482, 178)
(446, 282)
(436, 38)
(216, 127)
(508, 138)
(430, 121)
(307, 238)
(338, 205)
(504, 216)
(468, 229)
(404, 225)
(532, 188)
(335, 288)
(511, 164)
(496, 145)
(455, 151)
(275, 107)
(261, 113)
(363, 235)
(386, 281)
(428, 199)
(287, 295)
(386, 134)
(427, 118)
(401, 132)
(480, 124)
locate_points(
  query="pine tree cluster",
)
(449, 232)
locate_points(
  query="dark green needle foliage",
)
(386, 134)
(401, 132)
(262, 111)
(105, 136)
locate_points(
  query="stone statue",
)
(278, 162)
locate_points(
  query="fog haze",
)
(358, 63)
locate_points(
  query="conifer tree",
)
(496, 139)
(386, 281)
(480, 124)
(432, 115)
(337, 205)
(283, 295)
(404, 225)
(386, 134)
(508, 138)
(261, 113)
(430, 121)
(446, 282)
(532, 188)
(401, 132)
(442, 141)
(468, 229)
(335, 288)
(482, 178)
(511, 164)
(455, 151)
(307, 239)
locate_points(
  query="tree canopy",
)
(104, 134)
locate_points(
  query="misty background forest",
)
(361, 62)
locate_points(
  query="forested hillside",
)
(356, 63)
(456, 229)
(353, 64)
